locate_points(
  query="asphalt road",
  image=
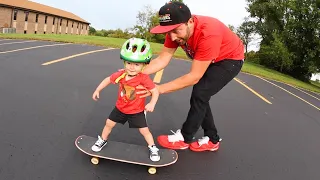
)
(43, 109)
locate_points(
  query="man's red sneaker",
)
(204, 144)
(175, 141)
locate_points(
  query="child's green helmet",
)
(136, 50)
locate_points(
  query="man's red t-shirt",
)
(211, 40)
(128, 101)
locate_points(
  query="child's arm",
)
(102, 85)
(113, 78)
(155, 95)
(154, 98)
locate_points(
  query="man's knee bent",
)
(199, 95)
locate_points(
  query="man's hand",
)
(142, 91)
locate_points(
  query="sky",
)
(105, 14)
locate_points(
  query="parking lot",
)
(270, 130)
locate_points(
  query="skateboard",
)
(128, 153)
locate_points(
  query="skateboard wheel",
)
(95, 160)
(152, 170)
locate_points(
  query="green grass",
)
(248, 67)
(262, 71)
(91, 40)
(315, 83)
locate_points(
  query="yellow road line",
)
(17, 42)
(253, 91)
(290, 93)
(158, 76)
(75, 55)
(33, 48)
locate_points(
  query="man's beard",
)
(183, 41)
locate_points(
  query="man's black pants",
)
(215, 78)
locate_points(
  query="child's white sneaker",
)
(100, 143)
(154, 155)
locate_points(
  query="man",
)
(217, 56)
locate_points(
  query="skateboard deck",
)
(124, 152)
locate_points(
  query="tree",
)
(303, 25)
(232, 28)
(245, 32)
(147, 18)
(92, 31)
(145, 22)
(276, 55)
(297, 24)
(177, 1)
(159, 38)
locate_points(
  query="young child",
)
(136, 53)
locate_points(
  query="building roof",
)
(25, 4)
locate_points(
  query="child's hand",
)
(95, 95)
(150, 107)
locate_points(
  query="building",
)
(29, 17)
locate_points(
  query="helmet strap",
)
(120, 77)
(143, 67)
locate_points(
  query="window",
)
(67, 22)
(15, 13)
(45, 19)
(27, 14)
(60, 22)
(72, 23)
(37, 17)
(54, 19)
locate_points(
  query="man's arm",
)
(198, 68)
(161, 61)
(207, 50)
